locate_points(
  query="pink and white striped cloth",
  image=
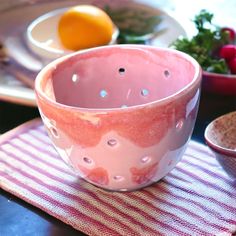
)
(196, 198)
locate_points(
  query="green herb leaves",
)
(205, 45)
(134, 24)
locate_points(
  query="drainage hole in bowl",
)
(103, 93)
(87, 160)
(166, 73)
(118, 178)
(75, 78)
(54, 132)
(144, 92)
(179, 125)
(121, 71)
(112, 142)
(146, 159)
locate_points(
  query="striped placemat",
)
(196, 198)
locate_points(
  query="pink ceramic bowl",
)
(220, 135)
(120, 115)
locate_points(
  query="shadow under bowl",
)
(220, 136)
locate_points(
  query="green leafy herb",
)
(204, 46)
(133, 23)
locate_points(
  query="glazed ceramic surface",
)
(224, 84)
(220, 136)
(121, 116)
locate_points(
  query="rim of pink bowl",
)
(217, 148)
(52, 65)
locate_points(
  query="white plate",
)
(13, 27)
(42, 37)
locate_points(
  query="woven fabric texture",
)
(195, 198)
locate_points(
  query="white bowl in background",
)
(42, 36)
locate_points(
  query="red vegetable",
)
(228, 52)
(232, 65)
(230, 31)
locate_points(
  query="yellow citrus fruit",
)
(84, 26)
